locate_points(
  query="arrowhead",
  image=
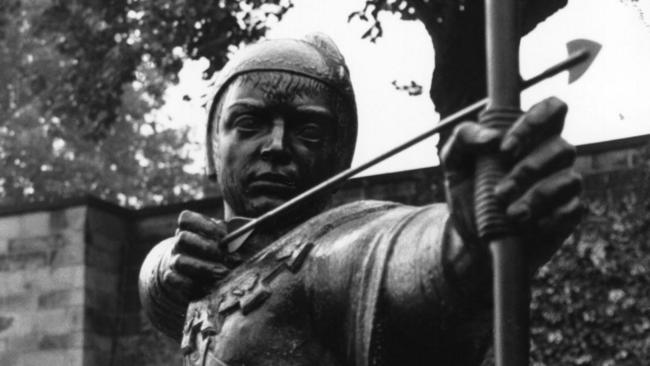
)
(582, 45)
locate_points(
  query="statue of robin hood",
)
(367, 283)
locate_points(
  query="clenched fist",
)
(541, 192)
(195, 260)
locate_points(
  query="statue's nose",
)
(276, 140)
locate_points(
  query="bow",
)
(510, 270)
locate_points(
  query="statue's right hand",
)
(195, 260)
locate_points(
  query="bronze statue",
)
(367, 283)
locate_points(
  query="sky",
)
(609, 102)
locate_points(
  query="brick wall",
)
(68, 270)
(42, 282)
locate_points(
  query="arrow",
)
(582, 44)
(579, 57)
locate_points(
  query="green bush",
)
(591, 303)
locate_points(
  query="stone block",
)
(406, 188)
(13, 282)
(97, 358)
(100, 322)
(131, 324)
(35, 224)
(76, 217)
(149, 348)
(24, 343)
(9, 227)
(106, 223)
(68, 255)
(72, 252)
(63, 277)
(157, 227)
(61, 298)
(105, 243)
(52, 321)
(33, 244)
(23, 261)
(101, 298)
(380, 191)
(349, 195)
(24, 301)
(4, 246)
(131, 302)
(62, 320)
(583, 164)
(68, 357)
(107, 281)
(15, 324)
(70, 218)
(103, 261)
(6, 322)
(58, 220)
(8, 357)
(42, 280)
(612, 160)
(61, 341)
(94, 341)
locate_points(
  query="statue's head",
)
(282, 120)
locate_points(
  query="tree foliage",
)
(81, 79)
(591, 303)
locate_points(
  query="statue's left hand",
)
(541, 192)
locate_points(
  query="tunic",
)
(368, 283)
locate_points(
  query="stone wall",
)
(43, 287)
(68, 270)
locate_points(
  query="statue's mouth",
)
(272, 183)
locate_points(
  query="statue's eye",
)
(310, 132)
(247, 123)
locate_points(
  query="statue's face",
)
(274, 139)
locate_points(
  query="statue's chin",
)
(260, 205)
(254, 206)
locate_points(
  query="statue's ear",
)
(211, 140)
(211, 170)
(210, 150)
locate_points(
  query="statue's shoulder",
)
(326, 228)
(364, 218)
(338, 221)
(360, 216)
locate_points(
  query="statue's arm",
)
(404, 282)
(437, 284)
(435, 303)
